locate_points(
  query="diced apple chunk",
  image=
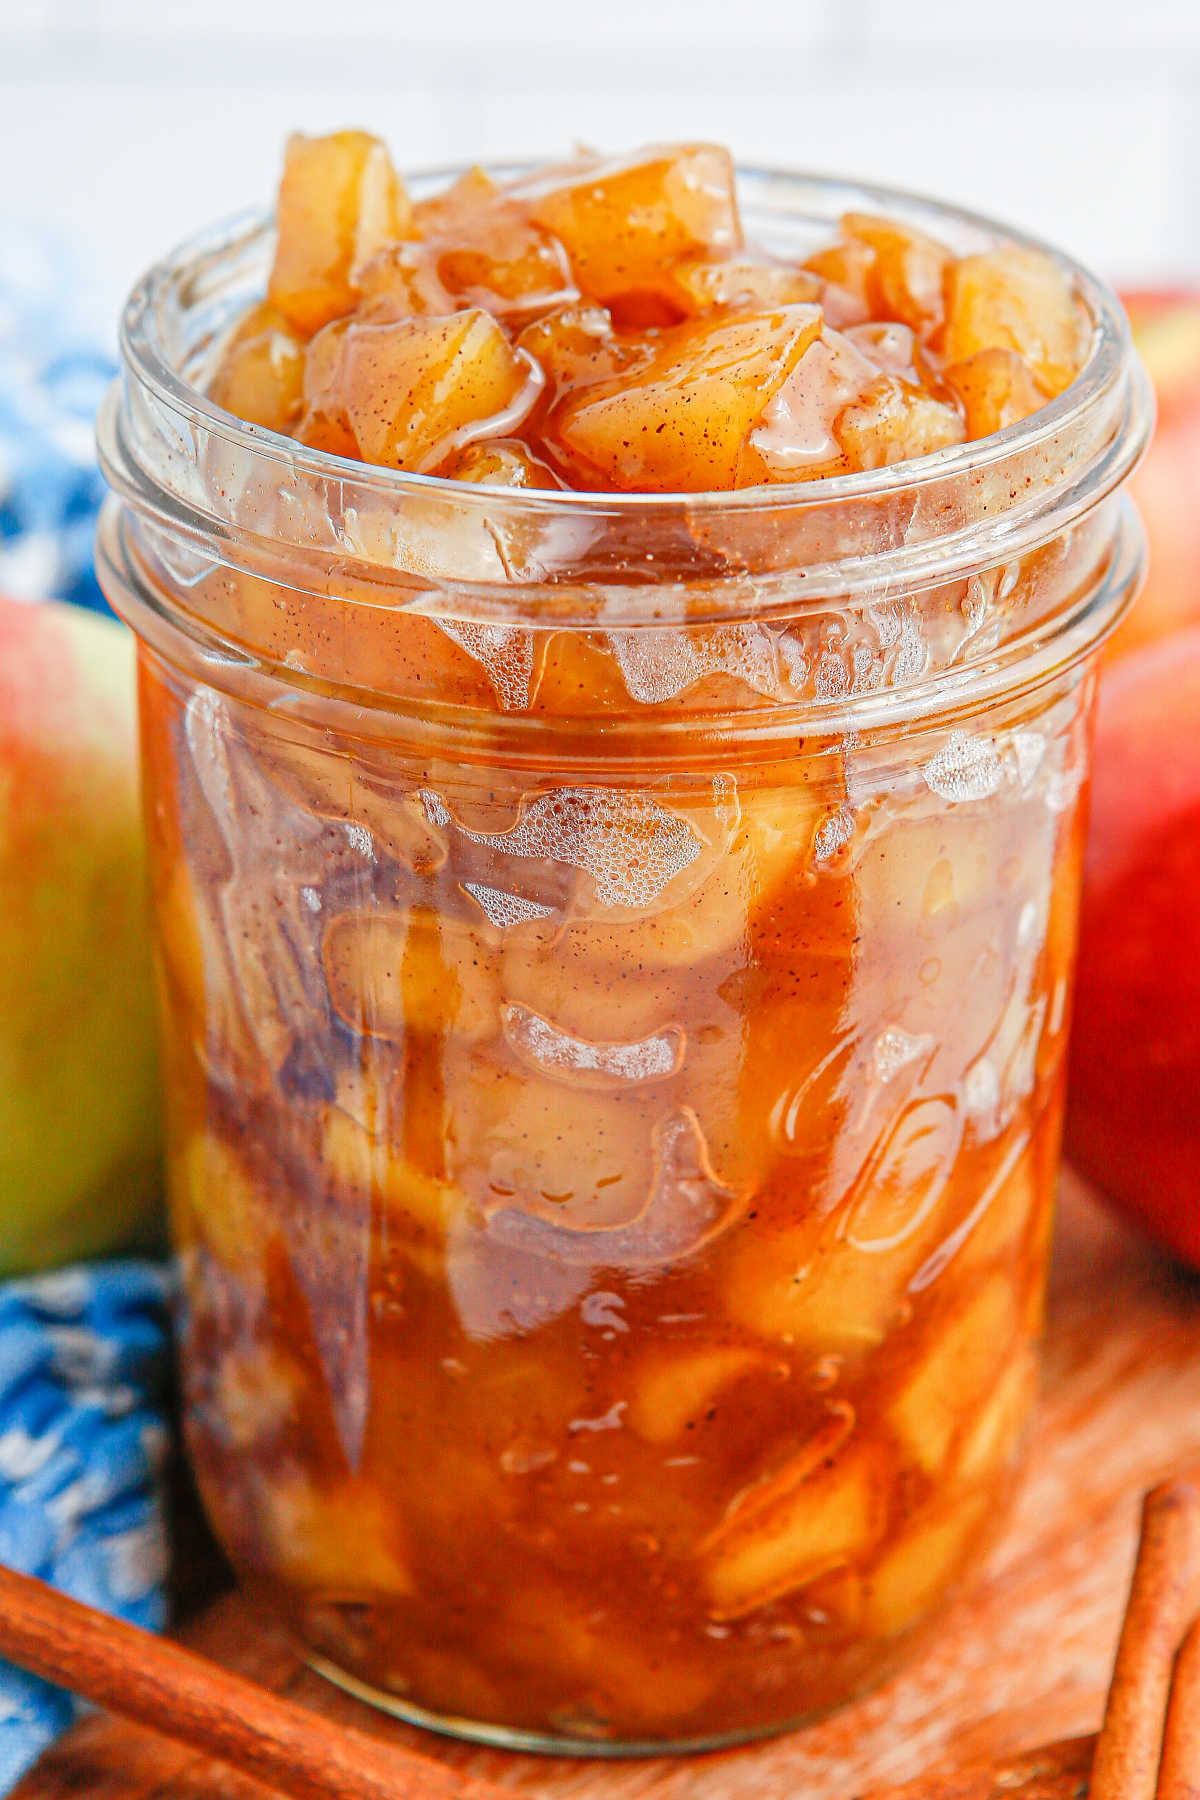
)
(363, 1160)
(680, 423)
(218, 1201)
(841, 1305)
(413, 390)
(442, 215)
(742, 283)
(546, 1627)
(891, 346)
(957, 1373)
(905, 279)
(910, 1579)
(343, 1539)
(1018, 300)
(576, 1159)
(672, 1390)
(995, 1431)
(623, 224)
(505, 264)
(835, 1600)
(795, 438)
(829, 1298)
(259, 1391)
(500, 462)
(996, 388)
(1008, 1209)
(332, 436)
(833, 1516)
(848, 266)
(413, 971)
(339, 201)
(402, 281)
(261, 373)
(324, 425)
(839, 1286)
(575, 346)
(659, 354)
(893, 422)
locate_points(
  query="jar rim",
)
(145, 355)
(210, 488)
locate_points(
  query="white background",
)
(127, 123)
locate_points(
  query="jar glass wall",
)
(615, 960)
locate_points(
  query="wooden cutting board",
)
(1023, 1660)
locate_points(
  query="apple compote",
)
(616, 656)
(605, 325)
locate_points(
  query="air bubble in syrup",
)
(630, 846)
(658, 665)
(966, 768)
(585, 1061)
(505, 653)
(503, 910)
(832, 834)
(360, 839)
(436, 810)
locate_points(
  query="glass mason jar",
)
(615, 958)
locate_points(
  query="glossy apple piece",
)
(261, 373)
(500, 462)
(681, 423)
(401, 281)
(487, 252)
(1133, 1106)
(846, 269)
(1019, 300)
(624, 223)
(796, 436)
(413, 390)
(741, 283)
(905, 279)
(634, 307)
(894, 421)
(339, 200)
(995, 388)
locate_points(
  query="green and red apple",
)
(80, 1120)
(1166, 330)
(1133, 1100)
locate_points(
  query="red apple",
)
(1166, 329)
(1133, 1102)
(79, 1083)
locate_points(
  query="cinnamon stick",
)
(185, 1697)
(1179, 1771)
(1163, 1587)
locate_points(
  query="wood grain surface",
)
(1022, 1661)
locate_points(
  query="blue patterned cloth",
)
(84, 1354)
(83, 1440)
(52, 378)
